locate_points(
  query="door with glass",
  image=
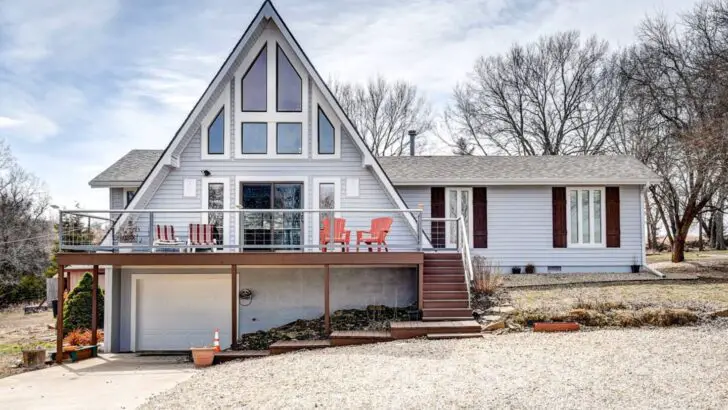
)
(272, 230)
(458, 201)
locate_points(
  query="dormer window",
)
(255, 84)
(216, 134)
(288, 85)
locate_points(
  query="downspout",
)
(643, 252)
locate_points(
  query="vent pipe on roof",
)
(412, 134)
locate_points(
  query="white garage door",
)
(176, 312)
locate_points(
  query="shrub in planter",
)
(77, 307)
(516, 269)
(82, 337)
(530, 268)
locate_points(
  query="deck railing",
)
(234, 230)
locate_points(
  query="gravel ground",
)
(642, 368)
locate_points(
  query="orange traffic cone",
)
(216, 340)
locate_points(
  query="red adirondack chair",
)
(341, 235)
(164, 235)
(377, 234)
(201, 235)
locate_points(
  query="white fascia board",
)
(521, 182)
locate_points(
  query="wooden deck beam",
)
(235, 308)
(327, 308)
(94, 302)
(244, 258)
(59, 317)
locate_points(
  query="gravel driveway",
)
(641, 368)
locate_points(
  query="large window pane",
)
(585, 232)
(255, 84)
(574, 217)
(289, 91)
(597, 215)
(288, 138)
(216, 134)
(287, 225)
(254, 138)
(325, 134)
(326, 199)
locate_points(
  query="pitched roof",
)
(134, 166)
(513, 170)
(129, 170)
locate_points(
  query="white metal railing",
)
(465, 252)
(234, 229)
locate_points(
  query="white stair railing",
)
(464, 245)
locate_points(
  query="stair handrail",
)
(465, 254)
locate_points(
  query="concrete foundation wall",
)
(282, 295)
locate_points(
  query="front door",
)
(458, 201)
(272, 230)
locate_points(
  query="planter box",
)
(76, 353)
(203, 356)
(555, 327)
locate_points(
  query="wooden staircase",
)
(445, 292)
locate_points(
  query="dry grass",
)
(660, 317)
(19, 331)
(689, 256)
(486, 276)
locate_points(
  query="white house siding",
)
(520, 230)
(283, 295)
(116, 198)
(416, 196)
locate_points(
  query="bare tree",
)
(383, 112)
(553, 97)
(677, 74)
(462, 146)
(25, 231)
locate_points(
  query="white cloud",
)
(85, 81)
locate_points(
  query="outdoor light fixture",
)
(206, 173)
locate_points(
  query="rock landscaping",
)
(374, 317)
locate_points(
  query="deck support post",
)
(421, 286)
(94, 310)
(327, 316)
(234, 307)
(59, 316)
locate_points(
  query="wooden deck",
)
(288, 346)
(407, 330)
(229, 355)
(359, 337)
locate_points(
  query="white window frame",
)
(220, 104)
(204, 202)
(318, 100)
(448, 240)
(272, 38)
(581, 243)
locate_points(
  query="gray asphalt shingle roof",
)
(134, 167)
(131, 168)
(511, 169)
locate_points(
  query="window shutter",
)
(613, 219)
(437, 210)
(558, 207)
(480, 217)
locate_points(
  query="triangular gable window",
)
(288, 85)
(216, 134)
(255, 84)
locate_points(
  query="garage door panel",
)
(176, 312)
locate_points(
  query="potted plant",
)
(203, 356)
(530, 268)
(128, 236)
(516, 269)
(635, 267)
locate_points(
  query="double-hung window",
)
(586, 219)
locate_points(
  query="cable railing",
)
(239, 230)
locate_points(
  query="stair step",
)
(446, 312)
(441, 336)
(286, 346)
(444, 278)
(359, 337)
(436, 263)
(442, 255)
(407, 330)
(445, 318)
(445, 295)
(443, 271)
(455, 287)
(452, 304)
(228, 355)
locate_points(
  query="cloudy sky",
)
(84, 81)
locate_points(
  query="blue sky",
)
(84, 81)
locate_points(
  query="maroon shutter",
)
(558, 208)
(613, 228)
(480, 217)
(437, 204)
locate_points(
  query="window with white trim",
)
(586, 216)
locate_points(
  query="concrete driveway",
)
(111, 381)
